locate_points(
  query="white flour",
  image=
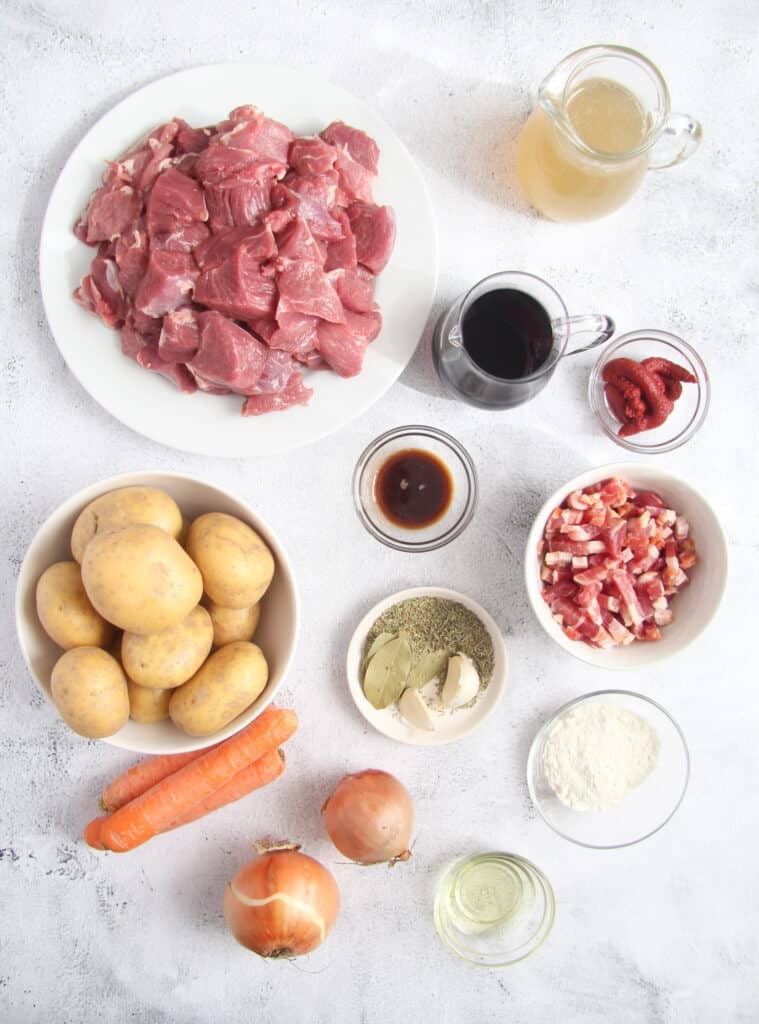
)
(597, 753)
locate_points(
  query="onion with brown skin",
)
(282, 904)
(369, 818)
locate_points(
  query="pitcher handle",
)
(679, 140)
(600, 324)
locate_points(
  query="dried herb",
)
(434, 624)
(379, 641)
(387, 672)
(429, 666)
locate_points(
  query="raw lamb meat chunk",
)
(237, 207)
(355, 288)
(131, 255)
(356, 143)
(174, 200)
(311, 156)
(296, 333)
(237, 288)
(296, 393)
(110, 211)
(342, 253)
(168, 282)
(180, 336)
(256, 242)
(229, 356)
(343, 345)
(305, 288)
(374, 230)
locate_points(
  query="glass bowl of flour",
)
(608, 769)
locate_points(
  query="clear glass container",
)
(494, 909)
(459, 511)
(689, 410)
(645, 810)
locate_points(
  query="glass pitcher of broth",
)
(603, 119)
(498, 345)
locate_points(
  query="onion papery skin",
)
(297, 902)
(369, 818)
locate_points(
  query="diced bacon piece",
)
(585, 547)
(667, 517)
(650, 499)
(557, 575)
(565, 588)
(587, 594)
(687, 554)
(618, 633)
(613, 534)
(663, 617)
(628, 597)
(650, 631)
(579, 500)
(593, 612)
(553, 523)
(594, 574)
(579, 562)
(569, 612)
(614, 492)
(682, 528)
(610, 603)
(572, 633)
(647, 609)
(627, 555)
(595, 516)
(660, 603)
(571, 516)
(647, 577)
(654, 588)
(546, 576)
(643, 564)
(580, 532)
(540, 547)
(558, 558)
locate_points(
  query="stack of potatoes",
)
(176, 657)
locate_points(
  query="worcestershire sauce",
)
(507, 333)
(413, 488)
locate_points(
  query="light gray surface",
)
(665, 931)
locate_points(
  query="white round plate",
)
(212, 424)
(457, 723)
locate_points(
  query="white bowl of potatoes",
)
(157, 612)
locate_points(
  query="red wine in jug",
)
(507, 333)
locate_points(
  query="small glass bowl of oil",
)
(494, 909)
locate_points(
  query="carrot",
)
(172, 797)
(140, 777)
(92, 833)
(260, 773)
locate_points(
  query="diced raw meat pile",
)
(233, 257)
(611, 560)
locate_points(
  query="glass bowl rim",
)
(548, 724)
(704, 385)
(549, 914)
(470, 472)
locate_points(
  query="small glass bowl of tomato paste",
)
(688, 410)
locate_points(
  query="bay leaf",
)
(379, 641)
(386, 673)
(429, 666)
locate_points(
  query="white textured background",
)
(665, 931)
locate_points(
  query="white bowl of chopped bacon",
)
(625, 565)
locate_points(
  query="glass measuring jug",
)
(498, 345)
(603, 119)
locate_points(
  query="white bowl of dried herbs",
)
(400, 654)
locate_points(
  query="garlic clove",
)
(462, 682)
(414, 709)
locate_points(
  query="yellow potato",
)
(140, 579)
(90, 692)
(221, 690)
(124, 507)
(146, 705)
(236, 565)
(168, 659)
(65, 611)
(230, 624)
